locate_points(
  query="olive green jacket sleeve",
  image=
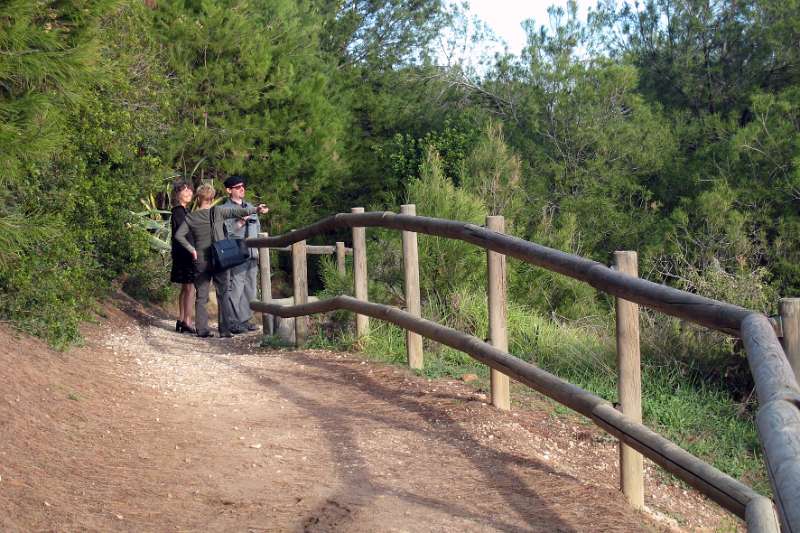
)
(180, 236)
(221, 213)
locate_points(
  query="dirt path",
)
(147, 430)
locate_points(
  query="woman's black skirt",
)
(182, 267)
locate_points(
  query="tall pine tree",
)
(253, 98)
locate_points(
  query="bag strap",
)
(211, 216)
(225, 226)
(246, 225)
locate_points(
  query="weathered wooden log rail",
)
(265, 274)
(778, 418)
(314, 249)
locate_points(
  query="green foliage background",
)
(671, 128)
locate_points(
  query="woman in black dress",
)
(182, 262)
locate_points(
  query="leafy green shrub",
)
(440, 258)
(710, 253)
(150, 281)
(72, 151)
(335, 284)
(549, 292)
(48, 289)
(493, 173)
(406, 156)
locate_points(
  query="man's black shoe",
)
(205, 334)
(244, 327)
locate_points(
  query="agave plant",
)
(155, 222)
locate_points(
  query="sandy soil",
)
(144, 429)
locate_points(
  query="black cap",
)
(233, 181)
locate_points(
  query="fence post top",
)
(496, 223)
(408, 209)
(624, 253)
(356, 209)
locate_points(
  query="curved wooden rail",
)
(714, 314)
(778, 419)
(728, 492)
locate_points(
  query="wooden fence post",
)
(266, 284)
(340, 253)
(360, 273)
(631, 467)
(790, 323)
(498, 333)
(411, 275)
(300, 282)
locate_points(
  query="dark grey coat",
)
(199, 224)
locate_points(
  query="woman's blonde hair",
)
(205, 193)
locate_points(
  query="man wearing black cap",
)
(242, 278)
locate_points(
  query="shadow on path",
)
(359, 488)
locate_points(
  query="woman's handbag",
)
(226, 253)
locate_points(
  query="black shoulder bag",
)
(226, 253)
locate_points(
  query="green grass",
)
(273, 341)
(698, 416)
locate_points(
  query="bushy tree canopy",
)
(670, 127)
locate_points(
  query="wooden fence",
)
(778, 417)
(299, 273)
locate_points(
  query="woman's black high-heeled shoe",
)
(183, 327)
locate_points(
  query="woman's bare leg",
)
(181, 310)
(187, 303)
